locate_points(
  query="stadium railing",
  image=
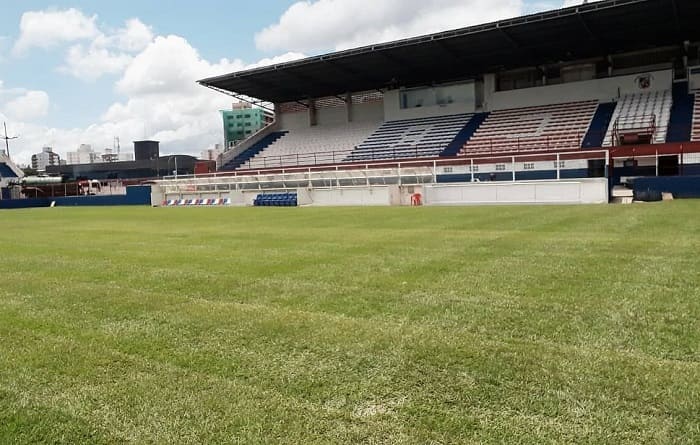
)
(505, 167)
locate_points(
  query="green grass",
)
(492, 325)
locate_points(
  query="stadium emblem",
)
(644, 81)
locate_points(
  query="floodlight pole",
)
(7, 140)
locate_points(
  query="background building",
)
(211, 154)
(44, 159)
(145, 162)
(242, 121)
(139, 169)
(110, 155)
(84, 155)
(146, 150)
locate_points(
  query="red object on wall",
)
(416, 199)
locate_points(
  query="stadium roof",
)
(575, 33)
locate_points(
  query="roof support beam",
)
(412, 67)
(308, 79)
(353, 72)
(674, 8)
(397, 60)
(591, 35)
(276, 87)
(446, 49)
(528, 50)
(509, 38)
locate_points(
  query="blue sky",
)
(81, 71)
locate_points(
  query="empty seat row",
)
(644, 111)
(542, 127)
(197, 202)
(323, 144)
(408, 138)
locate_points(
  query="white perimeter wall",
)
(393, 111)
(585, 191)
(605, 90)
(360, 196)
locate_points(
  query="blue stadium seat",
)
(276, 200)
(410, 138)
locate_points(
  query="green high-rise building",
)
(243, 121)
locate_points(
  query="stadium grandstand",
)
(540, 108)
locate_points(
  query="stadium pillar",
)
(312, 112)
(489, 90)
(348, 107)
(558, 168)
(656, 162)
(609, 163)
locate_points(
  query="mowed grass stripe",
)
(433, 325)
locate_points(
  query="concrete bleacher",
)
(410, 138)
(639, 112)
(546, 127)
(313, 145)
(253, 150)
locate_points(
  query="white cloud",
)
(341, 24)
(108, 53)
(163, 95)
(134, 37)
(46, 29)
(93, 62)
(93, 52)
(29, 106)
(169, 65)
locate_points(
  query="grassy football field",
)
(494, 325)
